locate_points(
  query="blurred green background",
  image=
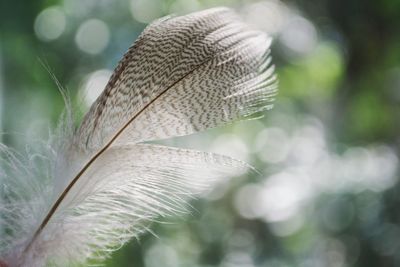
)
(329, 192)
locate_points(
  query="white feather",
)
(91, 190)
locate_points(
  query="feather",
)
(93, 189)
(188, 74)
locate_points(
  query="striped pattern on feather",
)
(181, 76)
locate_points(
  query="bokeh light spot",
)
(246, 200)
(299, 36)
(270, 16)
(92, 36)
(50, 23)
(231, 145)
(146, 11)
(94, 85)
(283, 196)
(272, 145)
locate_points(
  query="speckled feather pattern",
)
(92, 189)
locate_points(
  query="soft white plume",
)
(92, 189)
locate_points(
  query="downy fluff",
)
(92, 189)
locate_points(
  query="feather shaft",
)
(89, 163)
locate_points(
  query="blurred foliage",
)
(328, 152)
